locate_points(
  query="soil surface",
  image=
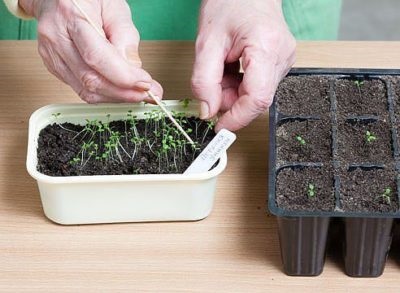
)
(353, 146)
(292, 189)
(317, 141)
(58, 145)
(367, 97)
(303, 95)
(362, 191)
(396, 88)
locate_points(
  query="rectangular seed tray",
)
(303, 234)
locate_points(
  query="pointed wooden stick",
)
(151, 95)
(159, 103)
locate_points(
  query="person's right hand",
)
(100, 69)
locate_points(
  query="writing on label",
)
(213, 151)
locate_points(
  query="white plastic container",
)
(118, 198)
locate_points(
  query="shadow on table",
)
(259, 241)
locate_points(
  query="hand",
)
(254, 30)
(99, 69)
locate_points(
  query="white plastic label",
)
(213, 151)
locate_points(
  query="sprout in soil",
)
(102, 142)
(300, 140)
(210, 125)
(369, 136)
(359, 83)
(386, 195)
(311, 190)
(56, 116)
(185, 103)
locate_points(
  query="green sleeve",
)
(166, 19)
(313, 19)
(12, 28)
(177, 19)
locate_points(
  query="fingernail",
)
(143, 85)
(204, 110)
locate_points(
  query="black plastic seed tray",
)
(303, 232)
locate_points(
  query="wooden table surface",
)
(236, 249)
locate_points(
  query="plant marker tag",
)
(213, 151)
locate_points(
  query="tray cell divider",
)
(395, 144)
(335, 157)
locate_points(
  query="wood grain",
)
(236, 249)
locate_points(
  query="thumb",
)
(120, 30)
(207, 75)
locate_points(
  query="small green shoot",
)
(370, 137)
(358, 83)
(311, 190)
(56, 116)
(75, 161)
(300, 140)
(185, 103)
(210, 125)
(101, 141)
(386, 195)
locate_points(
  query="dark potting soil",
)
(58, 145)
(293, 189)
(303, 95)
(353, 145)
(396, 90)
(363, 190)
(316, 146)
(357, 98)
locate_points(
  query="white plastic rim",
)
(75, 199)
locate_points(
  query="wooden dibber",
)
(150, 94)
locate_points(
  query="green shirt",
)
(177, 20)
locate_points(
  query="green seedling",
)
(56, 116)
(359, 83)
(185, 103)
(155, 134)
(386, 195)
(370, 137)
(311, 190)
(210, 126)
(75, 161)
(300, 140)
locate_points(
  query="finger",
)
(256, 90)
(120, 30)
(230, 85)
(110, 93)
(103, 57)
(63, 73)
(95, 83)
(207, 75)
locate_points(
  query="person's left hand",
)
(254, 30)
